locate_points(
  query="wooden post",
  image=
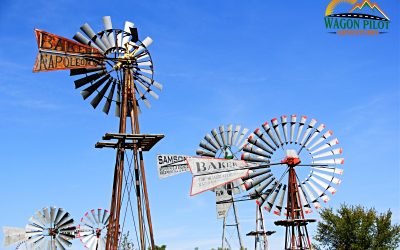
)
(140, 175)
(113, 226)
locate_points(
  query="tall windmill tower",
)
(294, 147)
(114, 66)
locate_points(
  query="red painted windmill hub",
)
(291, 161)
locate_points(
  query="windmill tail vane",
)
(59, 53)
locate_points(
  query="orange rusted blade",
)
(59, 53)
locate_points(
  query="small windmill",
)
(225, 142)
(218, 150)
(114, 65)
(260, 234)
(280, 145)
(92, 230)
(221, 142)
(50, 228)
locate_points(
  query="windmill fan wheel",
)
(50, 228)
(92, 230)
(121, 51)
(297, 146)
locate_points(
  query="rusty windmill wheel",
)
(122, 52)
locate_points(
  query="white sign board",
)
(223, 201)
(169, 165)
(209, 173)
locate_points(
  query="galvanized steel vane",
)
(13, 235)
(222, 144)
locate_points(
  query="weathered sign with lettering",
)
(223, 201)
(59, 53)
(209, 173)
(169, 165)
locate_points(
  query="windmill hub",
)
(228, 154)
(50, 232)
(98, 232)
(291, 162)
(125, 60)
(292, 159)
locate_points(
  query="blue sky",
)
(221, 62)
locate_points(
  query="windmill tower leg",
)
(237, 224)
(260, 234)
(256, 238)
(262, 225)
(260, 239)
(128, 101)
(296, 235)
(140, 175)
(146, 199)
(113, 226)
(223, 233)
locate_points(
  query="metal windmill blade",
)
(259, 148)
(50, 228)
(222, 142)
(92, 230)
(292, 127)
(288, 137)
(121, 50)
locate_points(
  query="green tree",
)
(355, 227)
(163, 247)
(126, 242)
